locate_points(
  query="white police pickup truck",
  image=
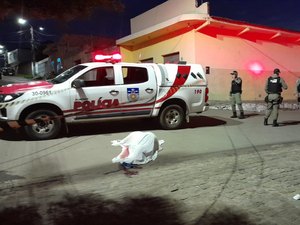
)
(101, 91)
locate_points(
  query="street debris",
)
(297, 197)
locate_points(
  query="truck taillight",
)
(206, 94)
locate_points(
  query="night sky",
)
(274, 13)
(116, 25)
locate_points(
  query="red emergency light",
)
(116, 57)
(256, 68)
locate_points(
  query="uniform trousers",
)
(236, 99)
(273, 106)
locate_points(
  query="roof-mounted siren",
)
(113, 58)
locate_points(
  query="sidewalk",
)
(12, 79)
(257, 106)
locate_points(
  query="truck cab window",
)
(134, 75)
(101, 76)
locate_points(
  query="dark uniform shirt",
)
(236, 86)
(275, 84)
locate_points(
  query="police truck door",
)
(99, 97)
(139, 90)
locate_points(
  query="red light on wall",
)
(256, 68)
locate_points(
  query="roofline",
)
(247, 24)
(212, 26)
(168, 23)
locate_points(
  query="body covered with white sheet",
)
(138, 148)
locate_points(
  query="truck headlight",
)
(9, 97)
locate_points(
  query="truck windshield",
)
(67, 74)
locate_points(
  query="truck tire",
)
(43, 129)
(171, 117)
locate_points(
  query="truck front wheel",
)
(171, 117)
(47, 125)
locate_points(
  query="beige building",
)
(179, 30)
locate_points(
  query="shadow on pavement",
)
(95, 210)
(289, 122)
(204, 121)
(11, 135)
(247, 115)
(20, 215)
(140, 125)
(107, 127)
(225, 217)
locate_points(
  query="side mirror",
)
(78, 83)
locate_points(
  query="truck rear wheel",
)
(171, 117)
(47, 125)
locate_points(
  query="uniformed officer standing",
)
(298, 91)
(273, 88)
(235, 95)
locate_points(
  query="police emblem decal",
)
(133, 94)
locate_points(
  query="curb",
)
(253, 106)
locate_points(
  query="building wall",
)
(43, 68)
(224, 54)
(73, 49)
(165, 11)
(184, 44)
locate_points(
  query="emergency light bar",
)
(108, 58)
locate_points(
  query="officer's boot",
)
(242, 116)
(275, 124)
(266, 121)
(234, 115)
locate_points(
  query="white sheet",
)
(138, 148)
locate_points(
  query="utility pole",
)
(32, 42)
(32, 52)
(3, 51)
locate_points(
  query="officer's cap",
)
(234, 73)
(277, 71)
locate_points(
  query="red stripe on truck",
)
(184, 72)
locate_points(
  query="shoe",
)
(275, 124)
(265, 121)
(234, 115)
(242, 116)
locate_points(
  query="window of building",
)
(149, 60)
(171, 58)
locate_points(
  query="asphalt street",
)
(216, 170)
